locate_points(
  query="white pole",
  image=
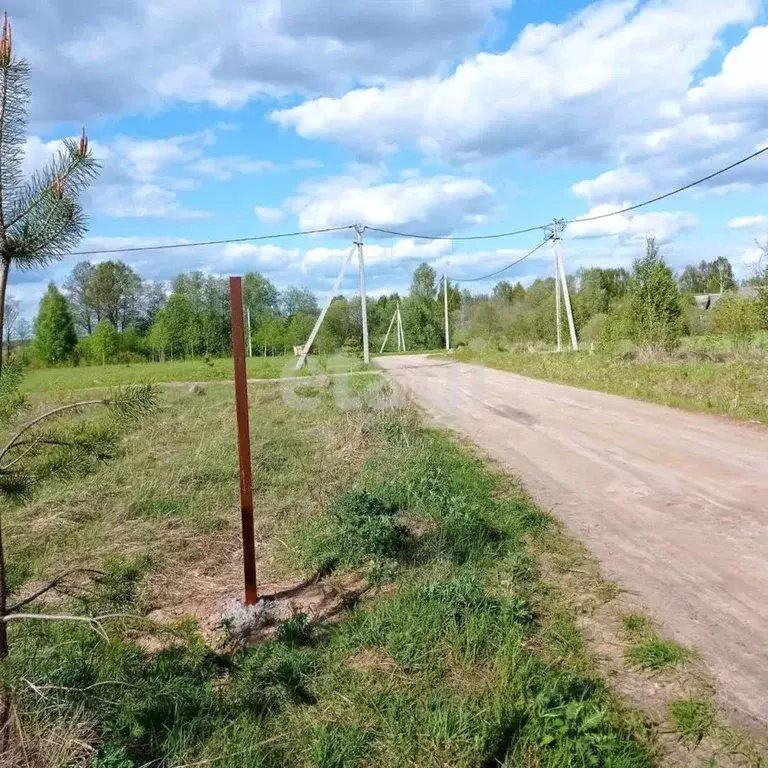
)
(331, 296)
(558, 311)
(400, 325)
(250, 342)
(566, 296)
(445, 306)
(363, 307)
(389, 330)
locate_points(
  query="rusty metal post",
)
(243, 439)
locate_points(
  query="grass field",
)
(216, 369)
(735, 385)
(438, 665)
(462, 647)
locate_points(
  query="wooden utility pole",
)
(243, 440)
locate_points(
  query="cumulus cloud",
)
(664, 226)
(621, 181)
(431, 205)
(572, 89)
(143, 201)
(748, 222)
(142, 178)
(94, 59)
(400, 252)
(711, 125)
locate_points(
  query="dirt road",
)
(674, 504)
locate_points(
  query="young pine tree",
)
(55, 337)
(40, 218)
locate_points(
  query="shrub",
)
(762, 308)
(737, 318)
(655, 308)
(366, 527)
(593, 329)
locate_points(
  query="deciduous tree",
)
(11, 320)
(655, 311)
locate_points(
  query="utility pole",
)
(359, 228)
(389, 330)
(401, 333)
(311, 340)
(445, 307)
(250, 340)
(557, 229)
(558, 310)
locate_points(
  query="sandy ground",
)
(674, 504)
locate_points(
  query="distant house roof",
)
(708, 300)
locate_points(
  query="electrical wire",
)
(503, 269)
(586, 218)
(413, 235)
(674, 192)
(212, 242)
(455, 239)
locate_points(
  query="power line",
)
(503, 269)
(413, 235)
(674, 192)
(212, 242)
(455, 239)
(586, 218)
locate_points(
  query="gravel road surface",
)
(674, 504)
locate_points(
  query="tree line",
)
(106, 313)
(647, 305)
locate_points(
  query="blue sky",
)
(445, 117)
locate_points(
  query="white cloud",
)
(93, 59)
(269, 215)
(258, 257)
(148, 157)
(621, 181)
(224, 167)
(142, 201)
(573, 89)
(664, 226)
(140, 177)
(710, 126)
(748, 222)
(433, 205)
(402, 251)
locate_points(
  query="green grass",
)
(636, 625)
(656, 653)
(735, 386)
(693, 720)
(216, 369)
(453, 663)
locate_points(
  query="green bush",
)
(593, 329)
(737, 318)
(655, 308)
